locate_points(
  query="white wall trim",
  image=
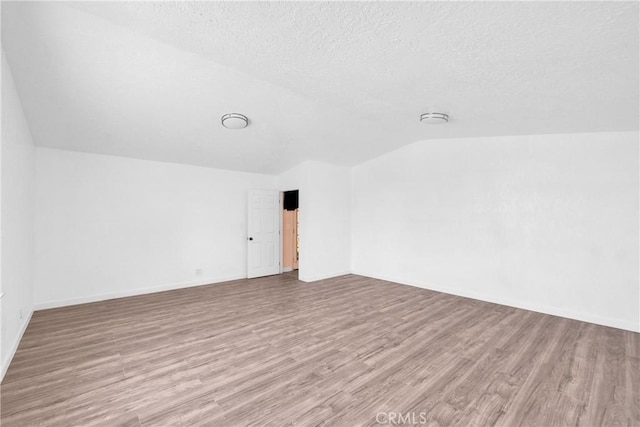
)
(14, 347)
(554, 311)
(323, 277)
(133, 292)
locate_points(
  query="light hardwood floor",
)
(276, 351)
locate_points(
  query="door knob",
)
(250, 238)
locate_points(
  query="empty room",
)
(320, 213)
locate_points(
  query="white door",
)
(263, 233)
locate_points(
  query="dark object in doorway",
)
(290, 200)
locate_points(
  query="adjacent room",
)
(320, 213)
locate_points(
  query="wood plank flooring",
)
(276, 351)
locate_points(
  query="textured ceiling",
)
(340, 82)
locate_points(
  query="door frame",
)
(281, 226)
(281, 215)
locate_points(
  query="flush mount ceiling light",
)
(235, 121)
(434, 118)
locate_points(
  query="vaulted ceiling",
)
(340, 82)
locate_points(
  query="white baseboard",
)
(168, 287)
(323, 276)
(554, 311)
(132, 292)
(14, 347)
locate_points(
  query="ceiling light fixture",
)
(434, 118)
(235, 121)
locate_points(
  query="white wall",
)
(17, 248)
(325, 229)
(111, 226)
(548, 223)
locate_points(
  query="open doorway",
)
(290, 235)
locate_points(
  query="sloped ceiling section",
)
(335, 82)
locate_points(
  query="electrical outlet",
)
(198, 272)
